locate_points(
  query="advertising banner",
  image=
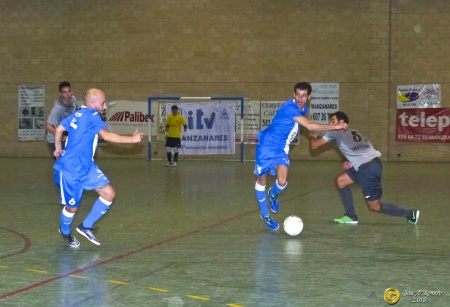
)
(431, 125)
(324, 101)
(124, 117)
(31, 112)
(251, 122)
(418, 96)
(211, 128)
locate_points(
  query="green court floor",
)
(192, 236)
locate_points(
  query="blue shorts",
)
(267, 158)
(369, 178)
(72, 186)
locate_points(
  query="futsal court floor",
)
(192, 236)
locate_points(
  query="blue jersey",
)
(83, 127)
(273, 142)
(283, 128)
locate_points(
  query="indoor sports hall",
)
(192, 235)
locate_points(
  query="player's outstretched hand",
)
(137, 136)
(343, 126)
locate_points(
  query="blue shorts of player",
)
(173, 142)
(368, 177)
(267, 158)
(72, 186)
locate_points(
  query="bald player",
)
(75, 169)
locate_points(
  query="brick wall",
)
(258, 49)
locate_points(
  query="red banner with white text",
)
(430, 125)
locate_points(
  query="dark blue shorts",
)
(369, 178)
(173, 142)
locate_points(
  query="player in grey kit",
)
(64, 107)
(363, 167)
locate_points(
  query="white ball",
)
(293, 225)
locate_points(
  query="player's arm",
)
(52, 121)
(50, 128)
(58, 140)
(315, 142)
(311, 126)
(168, 122)
(117, 138)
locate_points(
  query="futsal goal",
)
(214, 126)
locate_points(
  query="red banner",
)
(423, 125)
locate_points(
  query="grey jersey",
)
(355, 147)
(60, 111)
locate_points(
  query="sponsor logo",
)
(126, 116)
(224, 115)
(198, 122)
(409, 96)
(423, 121)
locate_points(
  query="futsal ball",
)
(293, 225)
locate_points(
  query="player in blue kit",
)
(272, 151)
(75, 169)
(364, 168)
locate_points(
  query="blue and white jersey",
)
(283, 128)
(83, 127)
(355, 147)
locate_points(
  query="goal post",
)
(157, 109)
